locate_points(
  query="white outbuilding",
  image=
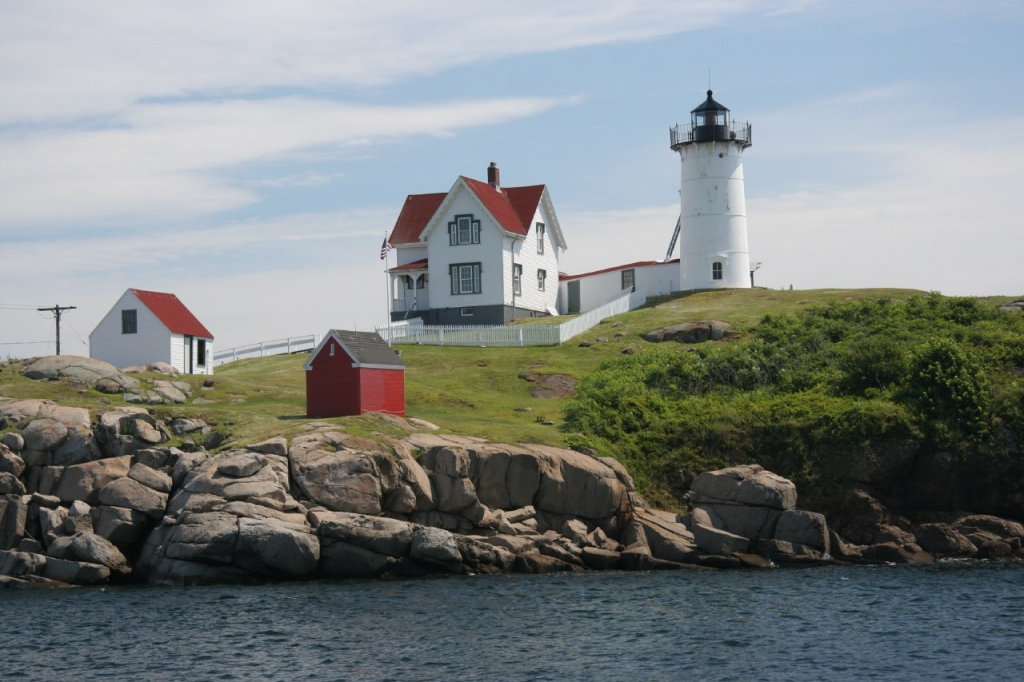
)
(145, 327)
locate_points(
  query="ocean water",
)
(946, 622)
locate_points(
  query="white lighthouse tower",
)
(713, 216)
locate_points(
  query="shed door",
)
(189, 355)
(574, 296)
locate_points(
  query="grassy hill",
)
(475, 391)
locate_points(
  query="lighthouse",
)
(713, 214)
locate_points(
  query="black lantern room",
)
(710, 122)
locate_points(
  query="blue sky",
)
(250, 156)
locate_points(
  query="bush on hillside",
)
(943, 371)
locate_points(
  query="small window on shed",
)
(201, 353)
(716, 270)
(129, 322)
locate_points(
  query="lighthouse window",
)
(716, 271)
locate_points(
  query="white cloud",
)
(65, 60)
(163, 162)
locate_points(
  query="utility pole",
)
(57, 310)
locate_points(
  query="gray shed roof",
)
(368, 348)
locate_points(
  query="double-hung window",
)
(465, 278)
(463, 230)
(540, 237)
(517, 279)
(542, 277)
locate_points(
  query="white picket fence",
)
(294, 344)
(414, 331)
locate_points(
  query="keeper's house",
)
(145, 327)
(352, 373)
(477, 254)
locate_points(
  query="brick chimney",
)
(494, 176)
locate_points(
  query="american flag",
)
(384, 248)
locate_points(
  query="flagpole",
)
(387, 280)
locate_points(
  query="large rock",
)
(130, 494)
(803, 528)
(13, 515)
(79, 446)
(269, 546)
(269, 482)
(43, 436)
(16, 563)
(375, 533)
(19, 410)
(436, 546)
(151, 478)
(93, 549)
(339, 559)
(206, 538)
(120, 525)
(689, 332)
(75, 572)
(84, 481)
(10, 484)
(747, 521)
(748, 484)
(340, 481)
(667, 538)
(941, 540)
(87, 370)
(716, 541)
(116, 431)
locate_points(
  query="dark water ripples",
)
(945, 622)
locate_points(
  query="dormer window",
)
(464, 230)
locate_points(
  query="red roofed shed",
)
(145, 327)
(353, 373)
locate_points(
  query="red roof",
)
(562, 277)
(415, 265)
(418, 209)
(512, 207)
(173, 313)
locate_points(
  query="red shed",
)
(352, 373)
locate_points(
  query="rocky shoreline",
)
(85, 504)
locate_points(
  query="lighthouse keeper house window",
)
(463, 230)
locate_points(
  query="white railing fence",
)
(293, 344)
(414, 331)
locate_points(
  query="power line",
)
(17, 306)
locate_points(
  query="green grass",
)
(469, 390)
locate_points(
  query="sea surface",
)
(947, 622)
